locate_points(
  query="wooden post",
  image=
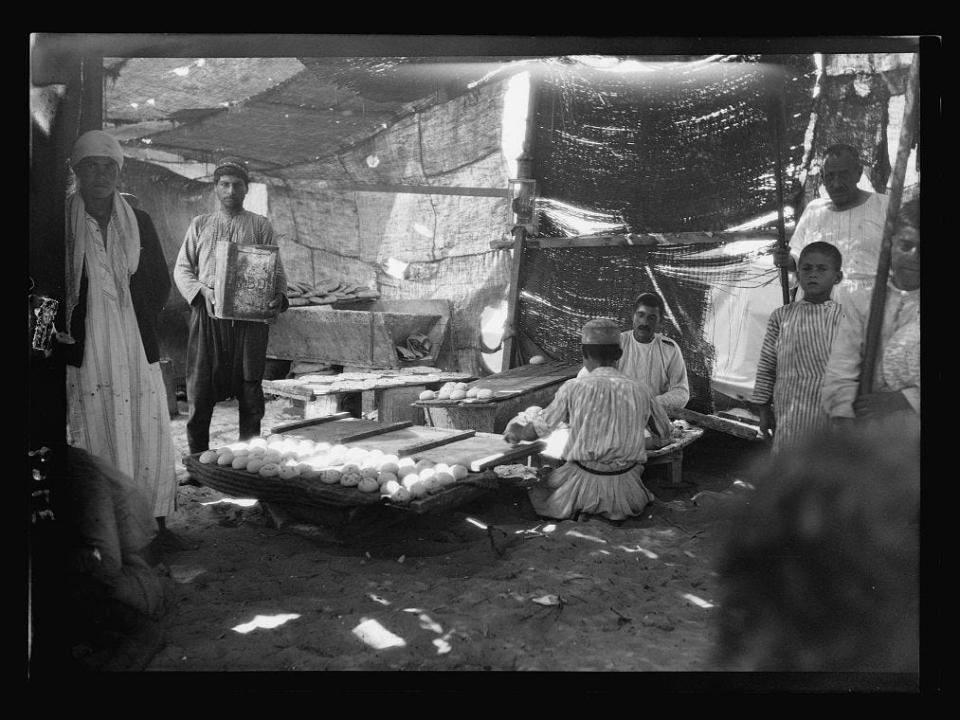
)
(777, 115)
(511, 343)
(91, 103)
(878, 298)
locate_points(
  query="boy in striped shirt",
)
(795, 351)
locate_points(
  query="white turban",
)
(96, 143)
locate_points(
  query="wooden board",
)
(481, 451)
(712, 422)
(688, 437)
(361, 337)
(299, 424)
(488, 417)
(511, 383)
(332, 432)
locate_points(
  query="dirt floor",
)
(266, 592)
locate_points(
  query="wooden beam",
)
(712, 422)
(376, 431)
(651, 239)
(309, 423)
(91, 102)
(421, 190)
(430, 444)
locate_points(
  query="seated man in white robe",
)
(607, 413)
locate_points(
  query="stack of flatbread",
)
(327, 292)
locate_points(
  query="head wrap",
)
(124, 255)
(600, 331)
(232, 166)
(96, 143)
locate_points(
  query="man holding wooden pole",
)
(874, 368)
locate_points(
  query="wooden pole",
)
(778, 117)
(91, 102)
(879, 297)
(511, 344)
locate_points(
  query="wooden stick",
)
(712, 422)
(778, 110)
(430, 444)
(308, 423)
(878, 298)
(382, 430)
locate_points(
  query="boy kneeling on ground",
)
(607, 413)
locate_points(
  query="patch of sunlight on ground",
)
(376, 635)
(266, 622)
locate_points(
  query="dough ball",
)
(208, 456)
(269, 470)
(420, 489)
(368, 485)
(254, 464)
(225, 458)
(458, 395)
(331, 476)
(484, 394)
(240, 461)
(386, 477)
(390, 487)
(428, 395)
(443, 479)
(288, 472)
(537, 360)
(389, 467)
(459, 472)
(351, 479)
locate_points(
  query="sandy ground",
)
(444, 594)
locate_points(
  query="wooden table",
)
(672, 454)
(514, 390)
(392, 394)
(479, 452)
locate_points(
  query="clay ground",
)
(565, 596)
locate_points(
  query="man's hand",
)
(782, 258)
(768, 421)
(208, 299)
(515, 433)
(881, 403)
(276, 302)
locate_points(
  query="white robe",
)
(116, 401)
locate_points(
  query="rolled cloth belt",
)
(604, 472)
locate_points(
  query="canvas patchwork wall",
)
(330, 227)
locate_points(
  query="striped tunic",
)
(116, 401)
(856, 233)
(792, 363)
(606, 413)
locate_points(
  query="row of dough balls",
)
(456, 391)
(400, 479)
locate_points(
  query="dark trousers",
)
(201, 412)
(225, 359)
